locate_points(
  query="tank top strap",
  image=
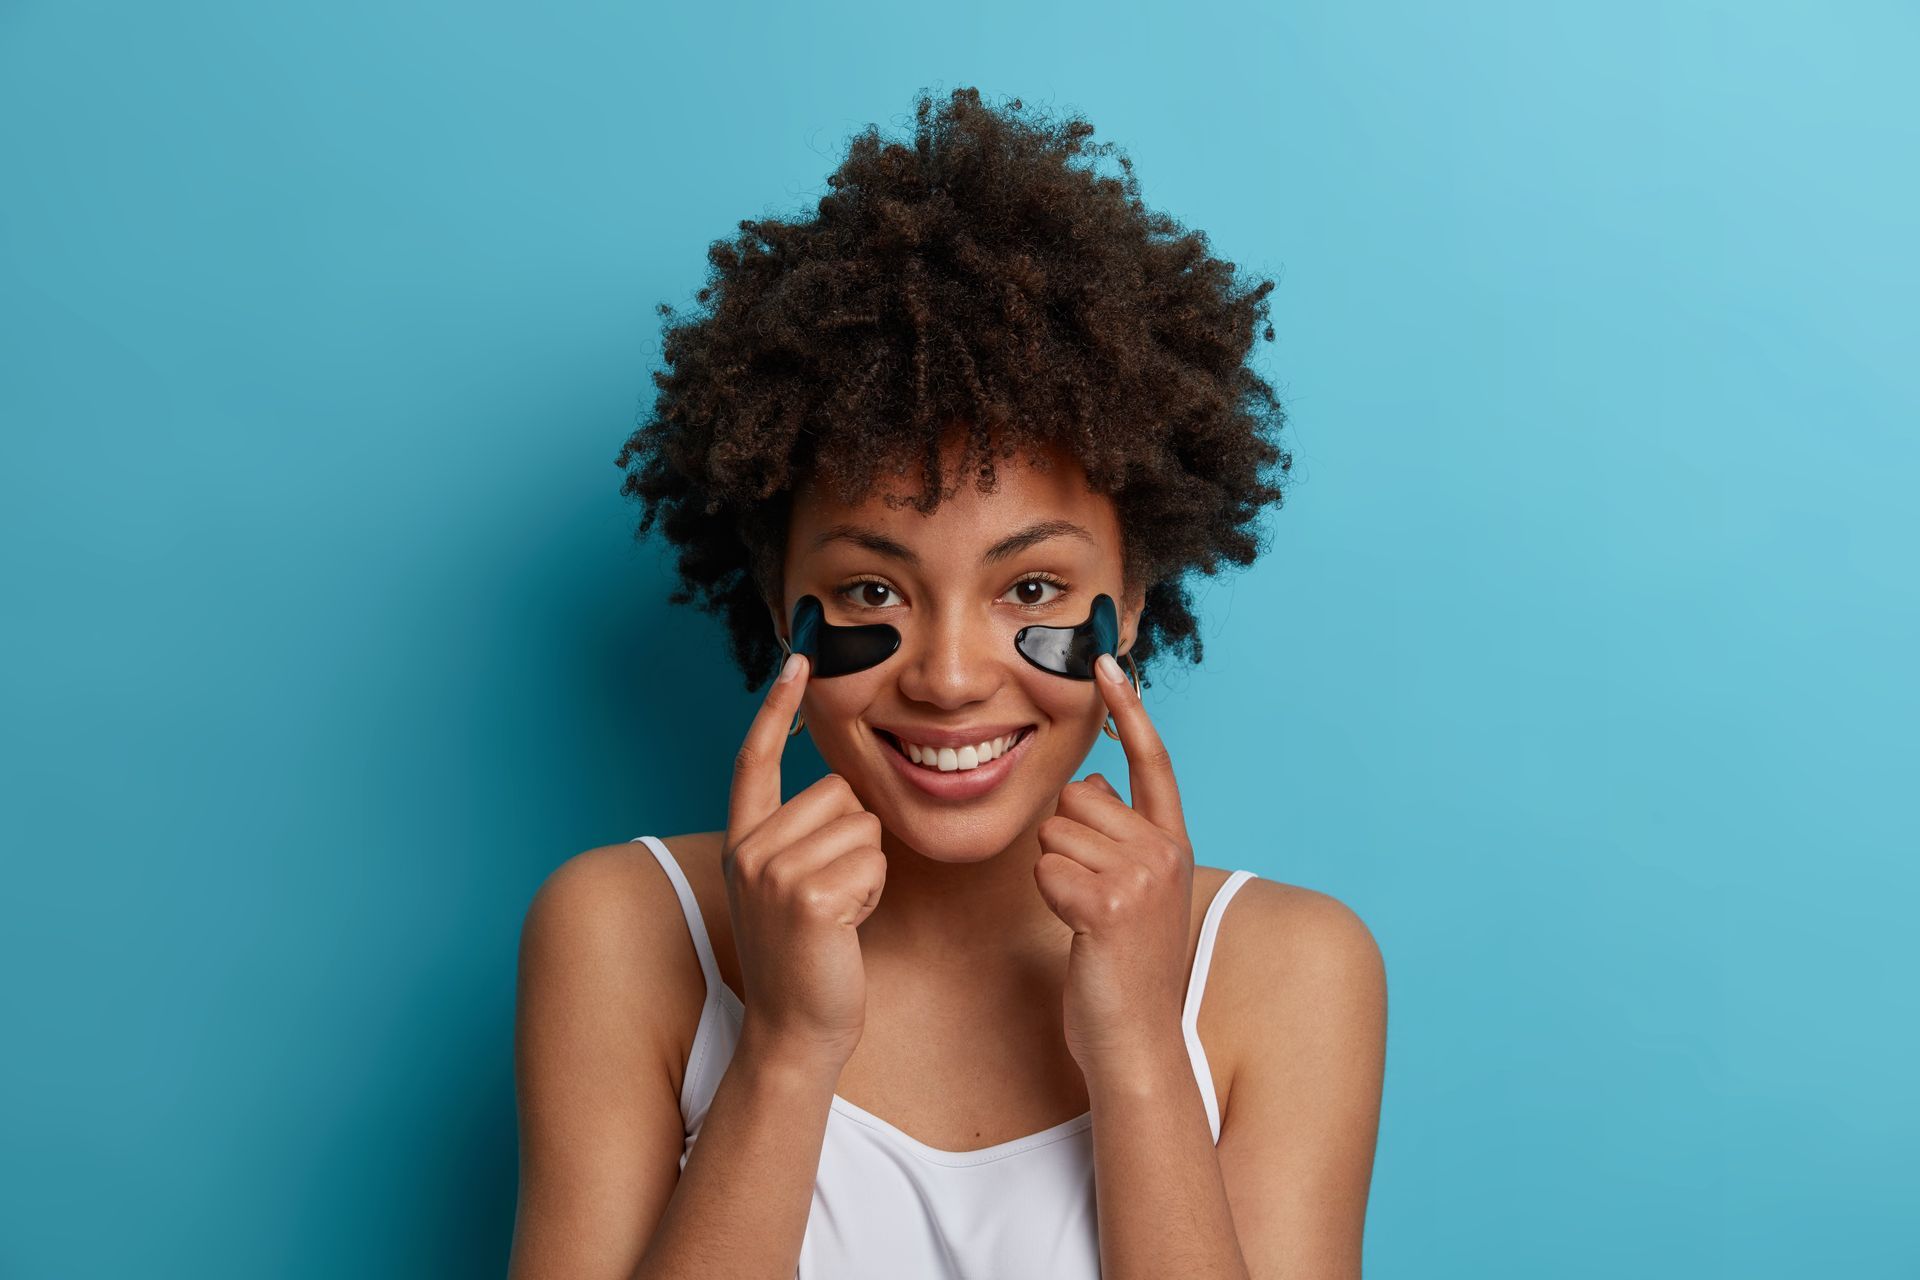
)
(1196, 990)
(690, 908)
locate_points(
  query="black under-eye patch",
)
(1070, 651)
(839, 651)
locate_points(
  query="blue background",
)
(1581, 665)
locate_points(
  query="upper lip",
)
(955, 738)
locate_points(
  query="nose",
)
(954, 657)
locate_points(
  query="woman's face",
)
(957, 584)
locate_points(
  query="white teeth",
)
(952, 760)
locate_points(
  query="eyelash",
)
(1064, 590)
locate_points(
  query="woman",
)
(942, 1013)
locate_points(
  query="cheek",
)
(833, 705)
(1067, 703)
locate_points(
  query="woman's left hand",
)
(1123, 879)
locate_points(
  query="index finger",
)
(1149, 767)
(755, 793)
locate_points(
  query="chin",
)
(952, 838)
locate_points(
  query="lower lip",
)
(958, 784)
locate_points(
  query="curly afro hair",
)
(975, 279)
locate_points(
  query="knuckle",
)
(746, 865)
(777, 878)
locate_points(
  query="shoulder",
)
(596, 898)
(605, 932)
(1310, 935)
(608, 891)
(1298, 968)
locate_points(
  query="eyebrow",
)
(1011, 545)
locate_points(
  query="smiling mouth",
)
(960, 760)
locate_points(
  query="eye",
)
(868, 593)
(1031, 591)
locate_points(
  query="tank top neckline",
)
(719, 993)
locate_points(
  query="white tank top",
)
(886, 1205)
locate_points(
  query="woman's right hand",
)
(801, 877)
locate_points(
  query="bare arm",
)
(1297, 1145)
(601, 1190)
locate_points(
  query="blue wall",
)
(1581, 667)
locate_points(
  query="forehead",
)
(1039, 483)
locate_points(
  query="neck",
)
(977, 907)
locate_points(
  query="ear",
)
(1132, 604)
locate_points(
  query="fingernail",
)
(1110, 669)
(791, 669)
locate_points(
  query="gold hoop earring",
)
(799, 721)
(1107, 726)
